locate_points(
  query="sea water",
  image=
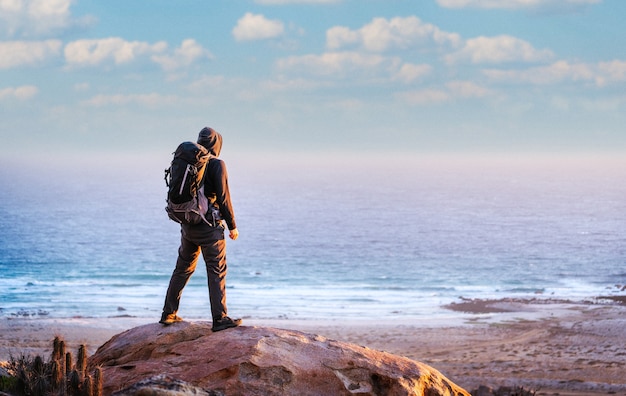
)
(321, 237)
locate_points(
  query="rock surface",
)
(162, 385)
(261, 361)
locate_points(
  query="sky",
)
(293, 76)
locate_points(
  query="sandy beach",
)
(554, 347)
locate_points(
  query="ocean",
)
(326, 237)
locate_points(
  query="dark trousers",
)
(214, 254)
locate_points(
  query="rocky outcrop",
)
(162, 385)
(260, 361)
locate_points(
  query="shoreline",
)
(554, 347)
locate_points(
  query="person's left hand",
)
(234, 234)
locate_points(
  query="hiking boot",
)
(169, 319)
(225, 323)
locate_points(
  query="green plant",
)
(30, 376)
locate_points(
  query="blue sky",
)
(408, 76)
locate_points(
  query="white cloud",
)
(453, 90)
(257, 27)
(206, 82)
(340, 36)
(298, 84)
(601, 74)
(424, 96)
(27, 53)
(354, 66)
(23, 92)
(467, 89)
(513, 4)
(11, 6)
(147, 100)
(49, 9)
(614, 71)
(604, 105)
(81, 87)
(409, 72)
(98, 51)
(497, 50)
(188, 52)
(35, 17)
(384, 34)
(279, 2)
(338, 64)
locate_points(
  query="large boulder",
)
(261, 361)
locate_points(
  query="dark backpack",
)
(186, 202)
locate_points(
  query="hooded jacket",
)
(216, 176)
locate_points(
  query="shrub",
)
(36, 377)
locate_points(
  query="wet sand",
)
(554, 347)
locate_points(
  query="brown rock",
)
(261, 361)
(162, 385)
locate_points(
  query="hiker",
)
(207, 239)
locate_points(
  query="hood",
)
(211, 140)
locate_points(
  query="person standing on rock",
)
(208, 240)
